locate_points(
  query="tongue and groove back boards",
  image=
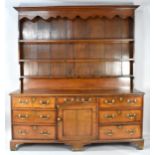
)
(85, 47)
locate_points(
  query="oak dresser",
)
(76, 77)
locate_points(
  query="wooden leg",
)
(13, 146)
(77, 147)
(139, 144)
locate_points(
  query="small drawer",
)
(24, 116)
(45, 117)
(119, 116)
(33, 132)
(119, 132)
(33, 102)
(44, 102)
(63, 100)
(22, 102)
(116, 101)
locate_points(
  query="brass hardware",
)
(109, 116)
(90, 99)
(121, 98)
(83, 100)
(109, 101)
(57, 106)
(132, 101)
(131, 116)
(45, 133)
(109, 133)
(44, 116)
(23, 101)
(72, 99)
(119, 126)
(34, 127)
(65, 99)
(33, 99)
(22, 116)
(131, 132)
(22, 132)
(44, 102)
(59, 119)
(119, 112)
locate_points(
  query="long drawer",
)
(25, 116)
(120, 132)
(33, 132)
(119, 116)
(33, 102)
(120, 101)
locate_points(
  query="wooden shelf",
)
(89, 60)
(51, 77)
(61, 41)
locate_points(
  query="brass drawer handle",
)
(45, 133)
(44, 116)
(109, 101)
(22, 132)
(121, 99)
(109, 133)
(132, 101)
(131, 116)
(67, 100)
(23, 101)
(34, 127)
(22, 116)
(33, 99)
(131, 132)
(82, 100)
(44, 102)
(119, 126)
(59, 119)
(86, 99)
(109, 116)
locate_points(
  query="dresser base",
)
(75, 145)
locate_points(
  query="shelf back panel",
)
(62, 28)
(79, 84)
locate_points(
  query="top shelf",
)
(78, 41)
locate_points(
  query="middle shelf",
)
(75, 60)
(109, 40)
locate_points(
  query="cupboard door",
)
(77, 121)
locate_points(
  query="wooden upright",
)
(76, 77)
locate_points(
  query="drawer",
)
(33, 102)
(62, 100)
(116, 101)
(120, 116)
(44, 102)
(24, 116)
(22, 102)
(119, 132)
(33, 132)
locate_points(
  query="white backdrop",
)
(11, 66)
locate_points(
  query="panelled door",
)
(77, 121)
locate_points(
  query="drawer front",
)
(115, 101)
(63, 100)
(33, 102)
(22, 102)
(119, 116)
(120, 132)
(44, 102)
(33, 132)
(23, 116)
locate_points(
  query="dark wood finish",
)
(76, 77)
